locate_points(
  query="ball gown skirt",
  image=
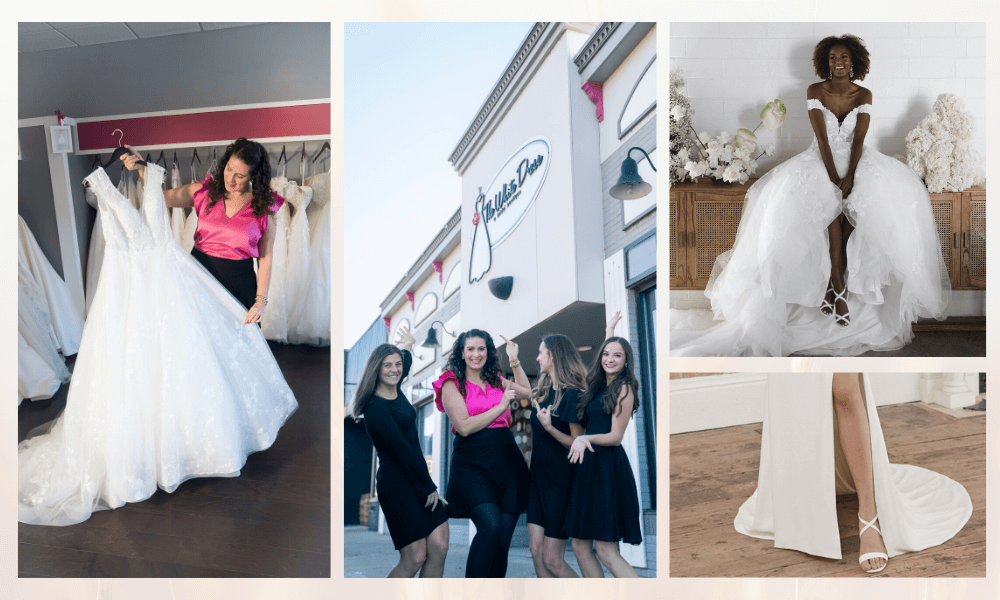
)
(169, 383)
(803, 468)
(768, 288)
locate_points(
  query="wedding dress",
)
(296, 277)
(95, 253)
(274, 324)
(169, 384)
(310, 323)
(768, 288)
(803, 468)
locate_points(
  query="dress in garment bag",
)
(803, 468)
(169, 382)
(768, 288)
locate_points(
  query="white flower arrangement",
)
(940, 149)
(725, 158)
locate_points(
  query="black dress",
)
(403, 482)
(551, 471)
(604, 504)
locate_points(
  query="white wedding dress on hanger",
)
(169, 383)
(311, 321)
(274, 324)
(767, 290)
(803, 468)
(297, 261)
(95, 253)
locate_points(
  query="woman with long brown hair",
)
(413, 508)
(604, 504)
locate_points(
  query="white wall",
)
(715, 401)
(733, 69)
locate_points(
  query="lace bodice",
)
(838, 132)
(125, 227)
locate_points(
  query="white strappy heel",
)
(845, 319)
(870, 555)
(826, 305)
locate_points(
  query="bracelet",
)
(515, 364)
(261, 299)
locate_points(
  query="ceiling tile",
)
(42, 40)
(101, 33)
(211, 26)
(29, 27)
(146, 30)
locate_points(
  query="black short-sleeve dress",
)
(604, 504)
(403, 482)
(551, 472)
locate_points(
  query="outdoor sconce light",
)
(432, 338)
(501, 286)
(630, 186)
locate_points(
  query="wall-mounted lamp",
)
(501, 286)
(630, 186)
(432, 338)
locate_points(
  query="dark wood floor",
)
(713, 472)
(271, 521)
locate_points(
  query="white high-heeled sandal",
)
(845, 319)
(870, 555)
(826, 305)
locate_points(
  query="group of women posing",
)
(580, 484)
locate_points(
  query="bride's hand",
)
(130, 161)
(846, 185)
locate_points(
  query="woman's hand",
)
(544, 415)
(846, 184)
(130, 161)
(509, 396)
(404, 339)
(511, 349)
(576, 450)
(255, 314)
(433, 499)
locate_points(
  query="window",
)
(427, 305)
(454, 281)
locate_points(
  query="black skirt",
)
(604, 504)
(237, 276)
(487, 467)
(406, 516)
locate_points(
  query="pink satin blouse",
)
(477, 400)
(234, 238)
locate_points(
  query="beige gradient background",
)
(662, 11)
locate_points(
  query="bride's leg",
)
(855, 439)
(838, 243)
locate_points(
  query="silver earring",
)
(851, 74)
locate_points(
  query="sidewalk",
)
(368, 554)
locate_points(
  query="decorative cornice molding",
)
(498, 90)
(597, 39)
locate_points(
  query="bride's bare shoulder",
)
(815, 91)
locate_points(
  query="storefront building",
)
(538, 245)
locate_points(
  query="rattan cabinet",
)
(704, 217)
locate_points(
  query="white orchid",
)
(730, 174)
(743, 178)
(769, 150)
(745, 138)
(677, 112)
(704, 137)
(683, 155)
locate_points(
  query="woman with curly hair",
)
(604, 504)
(489, 479)
(840, 228)
(234, 210)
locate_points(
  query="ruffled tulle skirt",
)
(768, 288)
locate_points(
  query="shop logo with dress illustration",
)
(507, 199)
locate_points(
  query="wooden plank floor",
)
(713, 472)
(271, 521)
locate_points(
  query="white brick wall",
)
(734, 69)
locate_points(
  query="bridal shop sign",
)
(501, 207)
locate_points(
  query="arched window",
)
(641, 100)
(404, 324)
(427, 305)
(454, 280)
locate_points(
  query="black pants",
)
(237, 276)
